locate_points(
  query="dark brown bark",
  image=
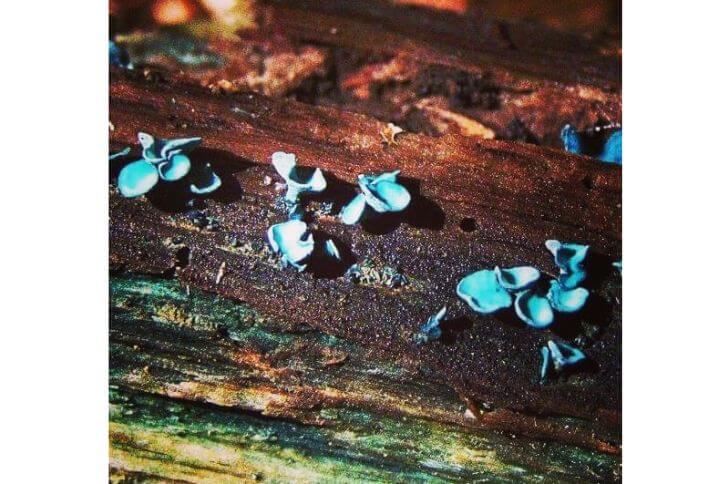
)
(468, 42)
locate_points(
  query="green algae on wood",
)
(205, 389)
(184, 440)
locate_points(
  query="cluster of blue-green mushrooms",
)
(382, 193)
(166, 160)
(488, 291)
(292, 240)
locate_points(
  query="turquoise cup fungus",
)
(571, 139)
(483, 293)
(380, 192)
(611, 151)
(558, 356)
(299, 180)
(569, 258)
(431, 330)
(517, 278)
(137, 178)
(175, 168)
(292, 241)
(534, 309)
(566, 300)
(159, 150)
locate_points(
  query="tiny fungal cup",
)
(534, 309)
(517, 278)
(292, 241)
(483, 293)
(137, 178)
(380, 192)
(299, 180)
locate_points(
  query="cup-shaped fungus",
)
(566, 300)
(158, 150)
(570, 260)
(118, 56)
(299, 180)
(292, 241)
(611, 151)
(380, 192)
(559, 356)
(571, 139)
(137, 178)
(431, 330)
(517, 278)
(483, 293)
(175, 168)
(534, 309)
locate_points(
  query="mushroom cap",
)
(298, 179)
(534, 309)
(383, 193)
(353, 211)
(175, 168)
(571, 139)
(566, 300)
(517, 278)
(288, 239)
(137, 178)
(567, 256)
(483, 293)
(208, 182)
(612, 152)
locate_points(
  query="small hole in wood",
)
(468, 224)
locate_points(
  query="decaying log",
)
(206, 389)
(477, 204)
(429, 94)
(468, 42)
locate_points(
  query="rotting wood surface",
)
(205, 389)
(515, 196)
